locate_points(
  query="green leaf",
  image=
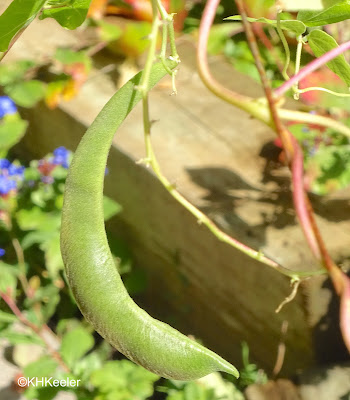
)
(8, 280)
(53, 258)
(75, 344)
(35, 237)
(11, 132)
(49, 297)
(335, 13)
(110, 207)
(331, 165)
(84, 367)
(132, 42)
(17, 16)
(320, 43)
(70, 16)
(12, 72)
(108, 32)
(41, 393)
(37, 219)
(68, 56)
(124, 380)
(219, 34)
(297, 27)
(6, 317)
(44, 367)
(17, 337)
(27, 93)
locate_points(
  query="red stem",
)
(17, 312)
(300, 200)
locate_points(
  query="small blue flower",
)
(61, 152)
(15, 170)
(61, 156)
(7, 106)
(6, 185)
(2, 252)
(4, 163)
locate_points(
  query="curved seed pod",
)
(92, 274)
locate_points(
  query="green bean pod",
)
(90, 268)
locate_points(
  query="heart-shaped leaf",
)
(70, 16)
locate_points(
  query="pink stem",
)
(312, 66)
(202, 59)
(345, 311)
(300, 199)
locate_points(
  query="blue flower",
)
(15, 170)
(4, 163)
(2, 252)
(7, 106)
(6, 185)
(61, 152)
(60, 156)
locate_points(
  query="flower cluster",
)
(7, 106)
(2, 252)
(60, 156)
(46, 166)
(11, 175)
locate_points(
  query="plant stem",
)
(312, 66)
(297, 66)
(21, 263)
(285, 46)
(294, 155)
(292, 115)
(17, 312)
(300, 200)
(254, 108)
(201, 217)
(278, 126)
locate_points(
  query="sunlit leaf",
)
(70, 16)
(45, 366)
(26, 93)
(17, 16)
(11, 132)
(108, 32)
(335, 13)
(12, 72)
(320, 43)
(75, 344)
(297, 27)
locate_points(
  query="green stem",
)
(297, 66)
(321, 89)
(285, 46)
(201, 217)
(143, 87)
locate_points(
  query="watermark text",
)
(47, 382)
